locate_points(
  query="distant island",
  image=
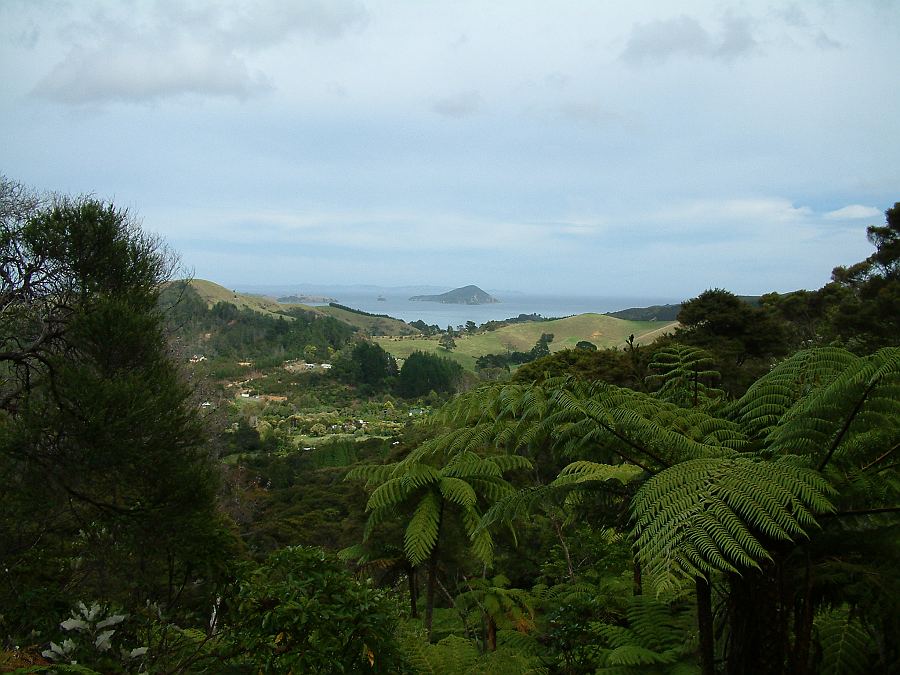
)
(467, 295)
(304, 299)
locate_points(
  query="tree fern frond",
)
(706, 515)
(371, 473)
(846, 647)
(457, 491)
(422, 531)
(418, 476)
(377, 516)
(393, 491)
(510, 462)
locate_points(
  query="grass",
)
(602, 330)
(213, 293)
(373, 325)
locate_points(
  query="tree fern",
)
(657, 639)
(713, 515)
(684, 375)
(846, 647)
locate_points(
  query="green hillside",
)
(372, 325)
(368, 323)
(601, 330)
(213, 293)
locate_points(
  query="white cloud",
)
(163, 49)
(145, 73)
(854, 212)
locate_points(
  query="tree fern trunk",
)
(413, 592)
(637, 578)
(432, 574)
(491, 636)
(705, 626)
(757, 640)
(803, 623)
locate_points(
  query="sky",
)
(650, 149)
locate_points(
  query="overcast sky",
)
(589, 147)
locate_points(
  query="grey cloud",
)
(737, 38)
(657, 41)
(180, 48)
(824, 41)
(460, 105)
(144, 73)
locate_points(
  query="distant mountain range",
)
(467, 295)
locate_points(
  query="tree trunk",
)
(413, 592)
(705, 626)
(491, 637)
(429, 593)
(803, 624)
(637, 579)
(758, 635)
(432, 574)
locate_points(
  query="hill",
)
(665, 312)
(213, 293)
(601, 330)
(652, 313)
(467, 295)
(372, 324)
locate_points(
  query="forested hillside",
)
(196, 486)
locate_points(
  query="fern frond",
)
(391, 492)
(457, 491)
(846, 646)
(418, 476)
(422, 531)
(708, 515)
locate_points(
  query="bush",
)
(301, 611)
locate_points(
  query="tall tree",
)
(101, 447)
(869, 315)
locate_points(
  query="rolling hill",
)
(601, 330)
(367, 323)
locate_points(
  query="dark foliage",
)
(422, 373)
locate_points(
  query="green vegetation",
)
(719, 496)
(371, 324)
(422, 373)
(601, 330)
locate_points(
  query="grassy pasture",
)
(373, 325)
(213, 293)
(602, 330)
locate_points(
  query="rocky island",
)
(467, 295)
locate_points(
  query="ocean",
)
(399, 306)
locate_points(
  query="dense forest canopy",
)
(190, 489)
